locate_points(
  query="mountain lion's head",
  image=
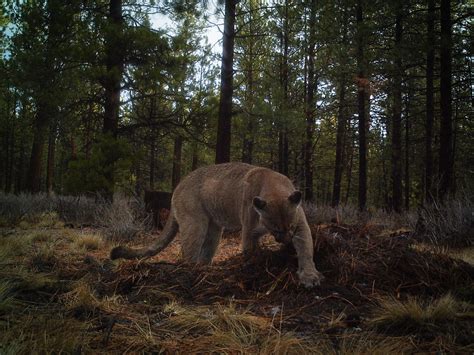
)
(279, 215)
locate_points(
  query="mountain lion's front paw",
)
(310, 278)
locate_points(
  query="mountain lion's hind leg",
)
(211, 242)
(193, 233)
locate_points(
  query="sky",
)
(213, 31)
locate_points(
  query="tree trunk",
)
(248, 142)
(152, 159)
(20, 168)
(45, 110)
(362, 84)
(36, 158)
(177, 152)
(446, 125)
(397, 118)
(349, 173)
(11, 159)
(430, 58)
(51, 160)
(225, 103)
(195, 158)
(407, 156)
(283, 152)
(310, 106)
(341, 125)
(247, 148)
(9, 145)
(283, 133)
(114, 65)
(341, 122)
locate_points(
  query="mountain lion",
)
(234, 196)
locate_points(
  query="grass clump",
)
(83, 301)
(43, 257)
(225, 329)
(40, 237)
(43, 334)
(414, 315)
(88, 241)
(13, 246)
(7, 299)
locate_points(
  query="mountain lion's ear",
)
(295, 197)
(259, 203)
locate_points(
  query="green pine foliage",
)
(108, 158)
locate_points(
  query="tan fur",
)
(234, 196)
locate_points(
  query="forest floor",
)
(383, 293)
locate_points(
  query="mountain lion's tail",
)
(166, 236)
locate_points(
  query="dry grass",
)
(358, 343)
(88, 241)
(7, 299)
(449, 223)
(43, 257)
(350, 214)
(54, 299)
(225, 329)
(43, 333)
(418, 315)
(123, 220)
(41, 237)
(83, 301)
(465, 254)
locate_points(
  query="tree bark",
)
(11, 159)
(362, 84)
(446, 125)
(114, 65)
(349, 175)
(152, 159)
(20, 168)
(397, 117)
(248, 141)
(36, 158)
(430, 58)
(341, 122)
(283, 155)
(51, 160)
(226, 91)
(45, 109)
(407, 156)
(283, 152)
(177, 153)
(195, 158)
(341, 125)
(310, 106)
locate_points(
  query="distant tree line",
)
(364, 102)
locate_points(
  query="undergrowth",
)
(427, 318)
(59, 293)
(449, 223)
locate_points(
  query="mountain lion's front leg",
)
(250, 233)
(303, 243)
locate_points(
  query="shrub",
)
(47, 211)
(449, 223)
(349, 214)
(124, 218)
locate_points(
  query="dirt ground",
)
(383, 293)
